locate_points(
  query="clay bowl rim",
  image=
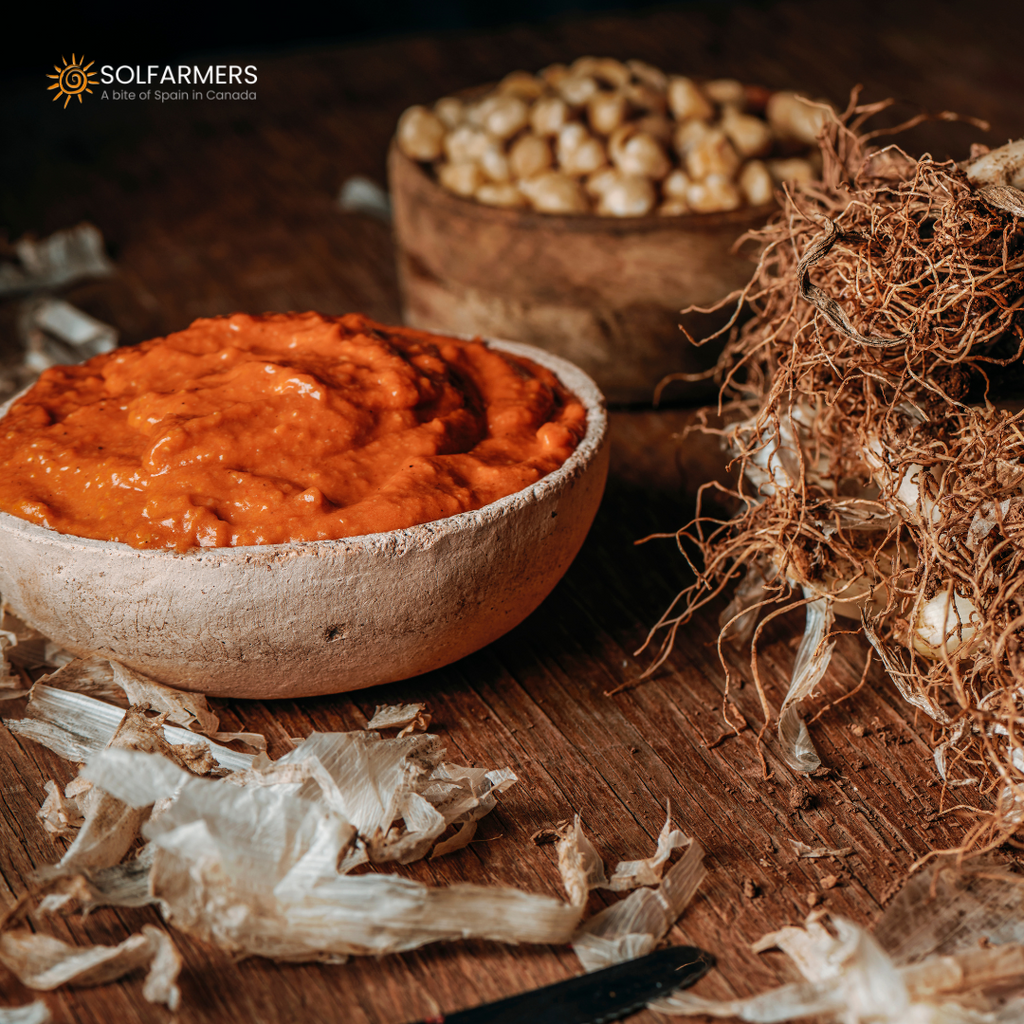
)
(421, 535)
(400, 165)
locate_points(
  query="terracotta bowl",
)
(604, 292)
(293, 620)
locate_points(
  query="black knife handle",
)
(595, 998)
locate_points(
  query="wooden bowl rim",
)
(389, 542)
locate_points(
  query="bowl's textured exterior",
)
(292, 620)
(603, 292)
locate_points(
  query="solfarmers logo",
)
(72, 79)
(137, 82)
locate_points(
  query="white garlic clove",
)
(791, 169)
(675, 185)
(714, 194)
(712, 155)
(420, 134)
(630, 196)
(549, 115)
(494, 194)
(508, 115)
(795, 117)
(461, 178)
(686, 101)
(945, 623)
(553, 192)
(529, 155)
(1001, 166)
(749, 135)
(726, 92)
(756, 183)
(606, 111)
(451, 110)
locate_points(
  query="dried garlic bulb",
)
(581, 138)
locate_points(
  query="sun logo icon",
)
(73, 79)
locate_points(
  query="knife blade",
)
(594, 998)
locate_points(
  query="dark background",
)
(211, 207)
(170, 31)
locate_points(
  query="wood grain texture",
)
(215, 208)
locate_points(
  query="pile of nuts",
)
(618, 139)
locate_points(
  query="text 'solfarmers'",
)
(182, 74)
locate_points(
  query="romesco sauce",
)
(285, 427)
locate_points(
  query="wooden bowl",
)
(293, 620)
(603, 292)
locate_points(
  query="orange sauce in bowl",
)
(286, 427)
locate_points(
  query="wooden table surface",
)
(211, 208)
